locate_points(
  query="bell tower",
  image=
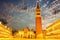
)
(38, 21)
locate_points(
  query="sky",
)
(21, 13)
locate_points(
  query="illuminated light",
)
(7, 39)
(5, 35)
(4, 30)
(30, 34)
(5, 26)
(40, 35)
(21, 32)
(10, 29)
(53, 36)
(53, 26)
(1, 32)
(0, 23)
(54, 32)
(57, 21)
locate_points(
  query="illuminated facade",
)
(19, 34)
(5, 32)
(26, 33)
(53, 31)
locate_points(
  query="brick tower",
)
(38, 21)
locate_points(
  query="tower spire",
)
(38, 13)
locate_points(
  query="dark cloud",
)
(4, 21)
(56, 12)
(24, 8)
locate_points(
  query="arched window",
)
(38, 13)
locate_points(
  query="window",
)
(38, 13)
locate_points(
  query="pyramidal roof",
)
(37, 4)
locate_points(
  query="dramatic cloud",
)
(21, 13)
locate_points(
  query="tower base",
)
(39, 36)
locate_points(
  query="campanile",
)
(38, 20)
